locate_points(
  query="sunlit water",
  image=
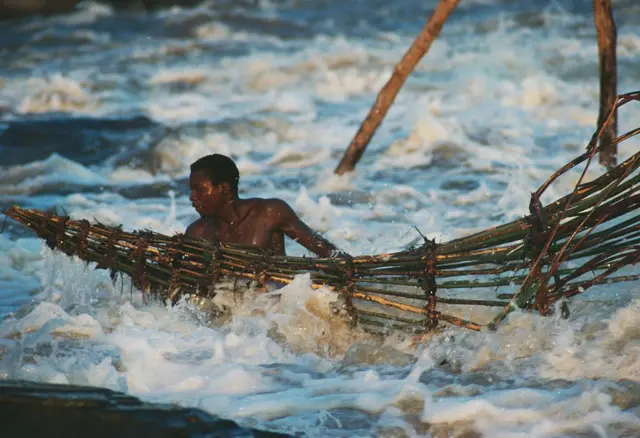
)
(103, 111)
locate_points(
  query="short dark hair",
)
(219, 169)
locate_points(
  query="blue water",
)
(102, 111)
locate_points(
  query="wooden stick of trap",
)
(389, 92)
(606, 33)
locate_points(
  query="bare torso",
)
(258, 223)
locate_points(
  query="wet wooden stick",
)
(389, 92)
(606, 33)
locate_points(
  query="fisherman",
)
(229, 219)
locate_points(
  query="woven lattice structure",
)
(557, 251)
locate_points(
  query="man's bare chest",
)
(248, 233)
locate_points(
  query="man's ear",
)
(226, 188)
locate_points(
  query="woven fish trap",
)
(556, 252)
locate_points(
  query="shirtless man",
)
(255, 221)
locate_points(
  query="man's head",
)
(214, 182)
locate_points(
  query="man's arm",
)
(289, 223)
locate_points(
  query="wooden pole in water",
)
(606, 33)
(389, 92)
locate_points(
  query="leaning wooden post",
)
(389, 92)
(606, 32)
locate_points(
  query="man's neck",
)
(229, 213)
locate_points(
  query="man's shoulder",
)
(196, 223)
(194, 226)
(275, 205)
(267, 203)
(197, 228)
(275, 210)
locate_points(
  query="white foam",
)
(88, 12)
(628, 45)
(512, 413)
(319, 215)
(188, 76)
(330, 182)
(610, 353)
(339, 86)
(125, 174)
(56, 93)
(156, 216)
(183, 107)
(218, 31)
(288, 157)
(55, 170)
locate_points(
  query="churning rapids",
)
(102, 111)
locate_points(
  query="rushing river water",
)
(102, 111)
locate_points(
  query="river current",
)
(102, 111)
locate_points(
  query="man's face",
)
(206, 197)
